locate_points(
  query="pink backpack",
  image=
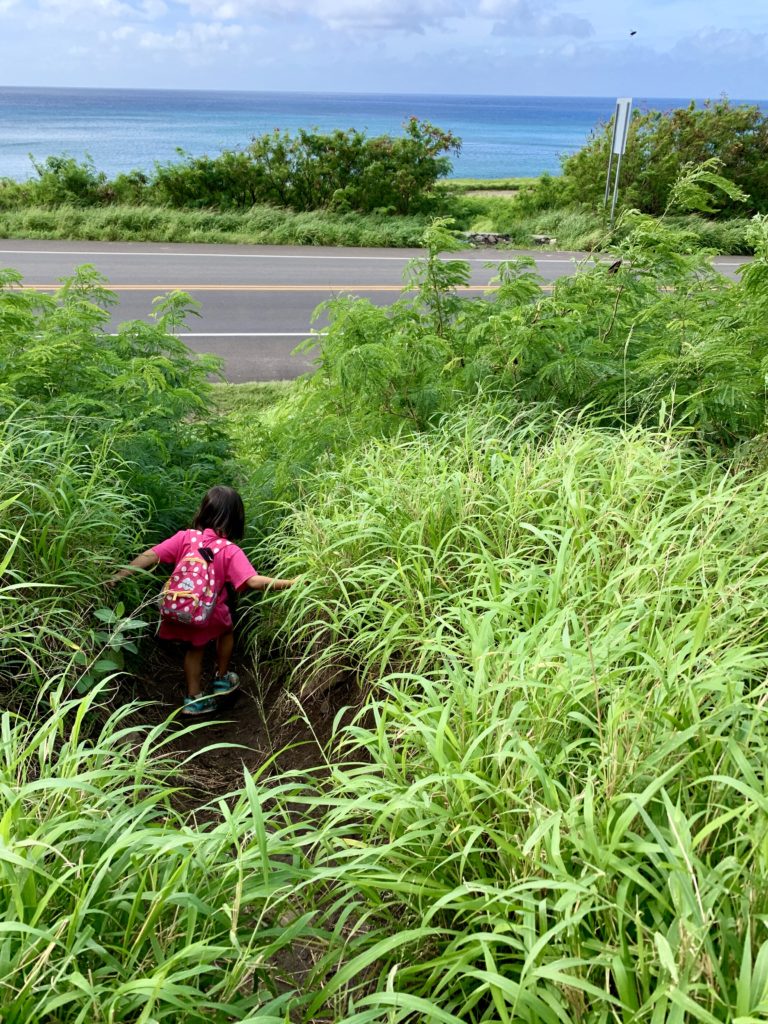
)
(191, 593)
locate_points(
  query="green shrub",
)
(663, 337)
(343, 170)
(660, 144)
(62, 179)
(311, 170)
(143, 388)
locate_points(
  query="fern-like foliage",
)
(660, 335)
(143, 388)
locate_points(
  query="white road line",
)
(506, 255)
(261, 256)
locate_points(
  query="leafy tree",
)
(660, 144)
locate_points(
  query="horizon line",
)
(307, 92)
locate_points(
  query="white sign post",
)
(618, 146)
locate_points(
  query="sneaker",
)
(203, 704)
(225, 684)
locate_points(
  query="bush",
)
(662, 335)
(311, 171)
(343, 170)
(62, 179)
(660, 144)
(143, 388)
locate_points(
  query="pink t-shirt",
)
(230, 565)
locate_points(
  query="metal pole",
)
(608, 177)
(610, 155)
(615, 189)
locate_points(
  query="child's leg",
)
(193, 670)
(224, 646)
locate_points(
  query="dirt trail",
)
(262, 720)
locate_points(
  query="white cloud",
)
(152, 10)
(534, 18)
(722, 43)
(369, 15)
(96, 10)
(523, 17)
(93, 8)
(682, 47)
(398, 15)
(545, 25)
(199, 35)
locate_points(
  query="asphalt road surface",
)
(257, 301)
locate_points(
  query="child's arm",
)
(266, 583)
(146, 560)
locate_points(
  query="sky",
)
(681, 48)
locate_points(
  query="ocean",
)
(123, 129)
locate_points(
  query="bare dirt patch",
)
(263, 721)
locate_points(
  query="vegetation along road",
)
(256, 301)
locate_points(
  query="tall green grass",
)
(65, 523)
(584, 228)
(263, 225)
(461, 185)
(554, 806)
(559, 806)
(574, 227)
(114, 907)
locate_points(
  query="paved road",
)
(257, 301)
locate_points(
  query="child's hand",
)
(268, 583)
(282, 584)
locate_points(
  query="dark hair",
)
(222, 510)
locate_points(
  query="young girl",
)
(220, 520)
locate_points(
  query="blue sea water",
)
(123, 129)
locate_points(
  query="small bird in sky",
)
(633, 32)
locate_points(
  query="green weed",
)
(260, 225)
(535, 528)
(65, 522)
(116, 909)
(555, 805)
